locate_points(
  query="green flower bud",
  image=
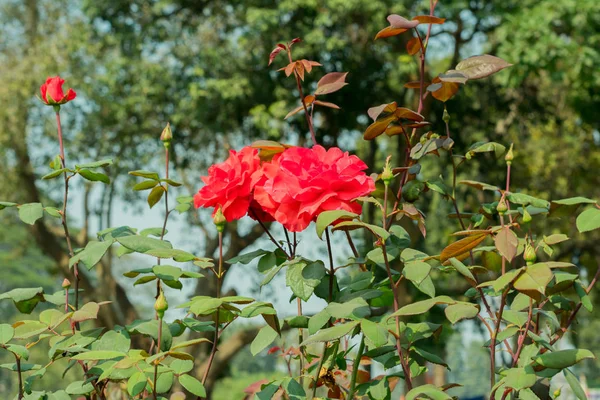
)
(502, 207)
(66, 283)
(526, 216)
(161, 305)
(219, 220)
(387, 175)
(509, 155)
(446, 116)
(167, 135)
(411, 190)
(529, 255)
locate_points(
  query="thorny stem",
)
(301, 93)
(18, 361)
(216, 340)
(64, 209)
(355, 368)
(331, 268)
(521, 340)
(158, 340)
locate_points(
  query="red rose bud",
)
(52, 92)
(161, 305)
(166, 136)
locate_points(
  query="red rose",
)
(229, 184)
(300, 183)
(52, 92)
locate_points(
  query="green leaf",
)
(525, 199)
(53, 212)
(86, 312)
(145, 174)
(94, 176)
(31, 212)
(266, 335)
(98, 355)
(92, 254)
(150, 328)
(562, 358)
(164, 382)
(533, 280)
(588, 220)
(7, 332)
(181, 366)
(155, 195)
(506, 242)
(459, 311)
(430, 391)
(115, 340)
(171, 182)
(55, 173)
(574, 384)
(145, 185)
(520, 378)
(79, 387)
(179, 256)
(303, 277)
(192, 385)
(497, 148)
(188, 343)
(248, 257)
(326, 218)
(416, 271)
(376, 333)
(25, 299)
(463, 270)
(318, 321)
(181, 208)
(136, 383)
(351, 225)
(423, 306)
(330, 334)
(19, 350)
(142, 244)
(583, 295)
(5, 204)
(96, 164)
(433, 358)
(167, 272)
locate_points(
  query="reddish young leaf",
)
(374, 112)
(478, 67)
(309, 64)
(332, 82)
(378, 127)
(309, 99)
(389, 32)
(288, 68)
(413, 46)
(402, 112)
(429, 19)
(461, 247)
(453, 76)
(273, 350)
(275, 51)
(295, 40)
(446, 91)
(415, 85)
(326, 104)
(293, 112)
(299, 69)
(506, 242)
(398, 22)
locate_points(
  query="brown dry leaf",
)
(461, 247)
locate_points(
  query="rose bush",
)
(525, 300)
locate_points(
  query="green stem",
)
(156, 361)
(355, 368)
(18, 361)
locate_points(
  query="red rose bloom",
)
(300, 183)
(52, 92)
(229, 184)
